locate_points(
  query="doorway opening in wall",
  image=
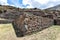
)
(55, 22)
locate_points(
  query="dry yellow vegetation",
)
(7, 33)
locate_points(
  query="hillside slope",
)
(57, 7)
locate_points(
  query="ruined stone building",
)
(27, 21)
(55, 15)
(32, 20)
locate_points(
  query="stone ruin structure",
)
(27, 21)
(53, 14)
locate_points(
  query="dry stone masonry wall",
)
(29, 23)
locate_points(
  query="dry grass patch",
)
(7, 33)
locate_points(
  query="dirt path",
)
(58, 37)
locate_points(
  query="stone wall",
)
(29, 23)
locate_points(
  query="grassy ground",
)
(52, 33)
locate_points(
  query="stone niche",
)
(57, 22)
